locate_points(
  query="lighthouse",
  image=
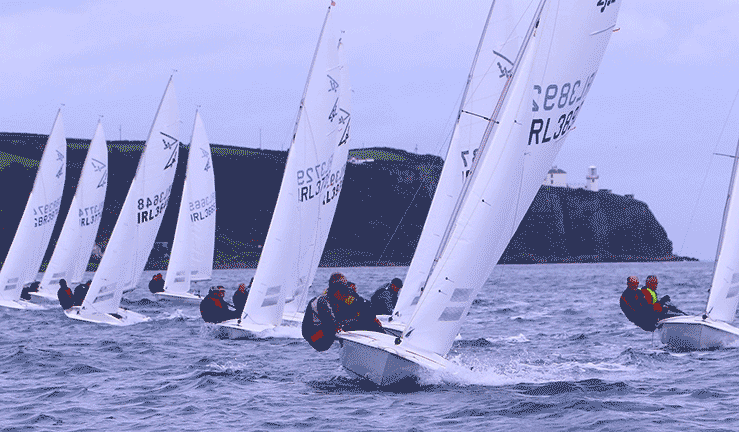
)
(591, 180)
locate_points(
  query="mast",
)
(726, 213)
(492, 121)
(310, 74)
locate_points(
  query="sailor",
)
(319, 322)
(339, 308)
(156, 284)
(385, 298)
(240, 296)
(80, 291)
(64, 294)
(214, 309)
(26, 293)
(634, 304)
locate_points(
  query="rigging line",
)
(705, 177)
(433, 166)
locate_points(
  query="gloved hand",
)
(665, 299)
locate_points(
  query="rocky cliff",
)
(378, 220)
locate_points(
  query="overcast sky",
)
(652, 121)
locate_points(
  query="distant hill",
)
(378, 221)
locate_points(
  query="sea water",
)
(545, 347)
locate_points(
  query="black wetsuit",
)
(239, 300)
(65, 296)
(638, 310)
(384, 300)
(319, 323)
(340, 309)
(80, 291)
(26, 293)
(214, 309)
(156, 285)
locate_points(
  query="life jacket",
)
(652, 299)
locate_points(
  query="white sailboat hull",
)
(374, 356)
(127, 317)
(21, 304)
(689, 333)
(44, 298)
(248, 330)
(179, 298)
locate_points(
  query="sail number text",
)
(90, 215)
(151, 208)
(316, 179)
(568, 97)
(46, 213)
(201, 209)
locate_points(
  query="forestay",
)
(29, 245)
(545, 97)
(138, 223)
(724, 294)
(309, 191)
(500, 42)
(192, 249)
(74, 247)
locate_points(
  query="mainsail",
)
(24, 257)
(75, 243)
(309, 191)
(545, 96)
(500, 42)
(138, 223)
(192, 249)
(724, 295)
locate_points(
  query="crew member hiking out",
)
(214, 309)
(156, 284)
(385, 298)
(64, 294)
(240, 296)
(80, 291)
(339, 308)
(643, 308)
(27, 290)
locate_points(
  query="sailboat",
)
(552, 73)
(307, 200)
(192, 250)
(488, 76)
(138, 222)
(29, 245)
(712, 329)
(74, 246)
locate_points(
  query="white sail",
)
(138, 223)
(192, 250)
(309, 191)
(499, 44)
(29, 245)
(74, 247)
(557, 71)
(724, 295)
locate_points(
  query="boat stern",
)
(690, 333)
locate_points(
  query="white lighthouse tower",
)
(591, 180)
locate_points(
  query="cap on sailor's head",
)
(632, 281)
(651, 280)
